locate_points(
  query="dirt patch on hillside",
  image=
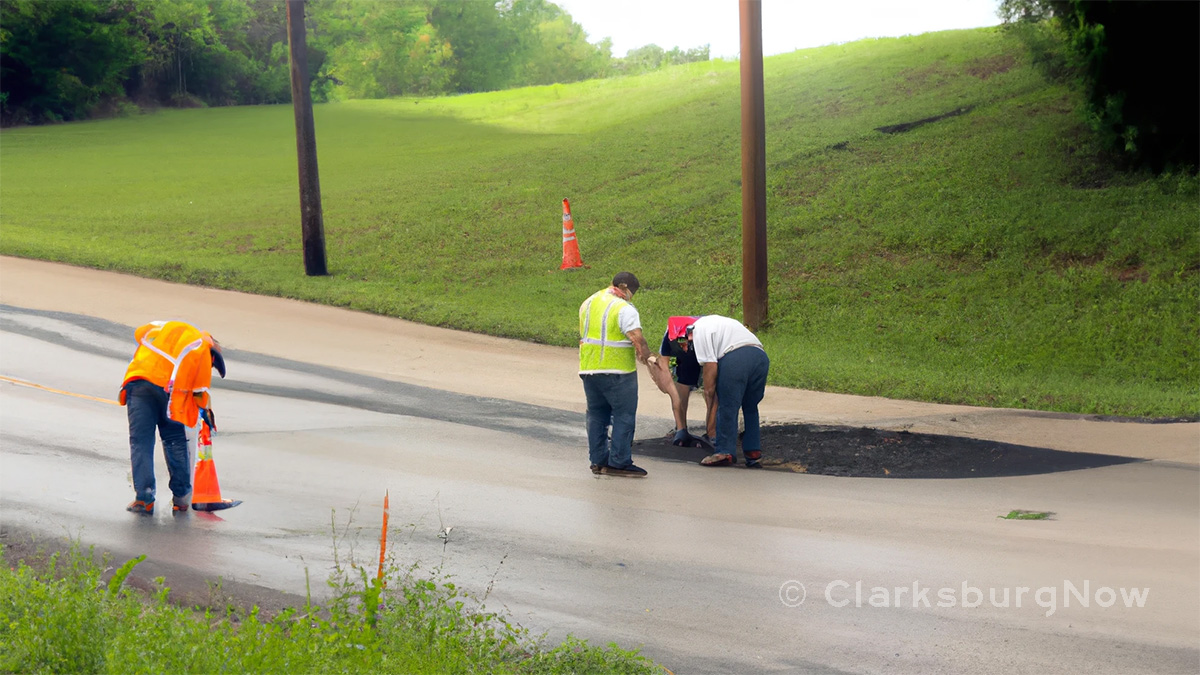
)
(864, 452)
(983, 68)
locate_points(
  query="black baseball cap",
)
(626, 280)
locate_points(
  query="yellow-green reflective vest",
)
(603, 348)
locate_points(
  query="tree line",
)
(74, 59)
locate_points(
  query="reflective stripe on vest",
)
(166, 358)
(603, 348)
(175, 361)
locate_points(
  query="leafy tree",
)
(62, 59)
(384, 48)
(485, 45)
(1028, 11)
(58, 60)
(555, 47)
(677, 56)
(642, 59)
(653, 57)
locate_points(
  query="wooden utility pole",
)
(754, 168)
(312, 223)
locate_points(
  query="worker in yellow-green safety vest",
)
(610, 346)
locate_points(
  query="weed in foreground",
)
(1018, 514)
(65, 618)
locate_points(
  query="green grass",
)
(986, 259)
(1018, 514)
(66, 618)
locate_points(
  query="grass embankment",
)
(69, 616)
(987, 258)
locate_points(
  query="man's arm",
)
(660, 372)
(639, 345)
(709, 372)
(679, 405)
(201, 377)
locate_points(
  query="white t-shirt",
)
(715, 336)
(628, 319)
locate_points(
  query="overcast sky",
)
(787, 24)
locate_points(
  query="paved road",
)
(689, 563)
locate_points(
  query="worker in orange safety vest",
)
(167, 387)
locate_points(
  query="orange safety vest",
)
(177, 357)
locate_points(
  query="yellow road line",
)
(32, 385)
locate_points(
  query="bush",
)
(1138, 63)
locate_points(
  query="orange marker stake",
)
(383, 538)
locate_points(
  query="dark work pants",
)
(147, 404)
(741, 382)
(611, 401)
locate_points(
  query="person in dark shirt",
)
(677, 374)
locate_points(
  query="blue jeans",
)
(741, 381)
(611, 400)
(146, 404)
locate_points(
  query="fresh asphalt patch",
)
(876, 453)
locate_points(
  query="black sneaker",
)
(631, 471)
(599, 468)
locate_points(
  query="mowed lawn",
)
(987, 258)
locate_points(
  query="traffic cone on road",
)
(571, 258)
(206, 491)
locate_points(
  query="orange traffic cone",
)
(571, 258)
(206, 491)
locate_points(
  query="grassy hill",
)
(985, 258)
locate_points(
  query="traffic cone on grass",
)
(571, 258)
(206, 491)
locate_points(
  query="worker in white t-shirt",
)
(734, 369)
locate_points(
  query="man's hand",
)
(210, 417)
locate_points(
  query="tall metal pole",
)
(312, 223)
(754, 168)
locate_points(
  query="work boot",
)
(140, 507)
(630, 471)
